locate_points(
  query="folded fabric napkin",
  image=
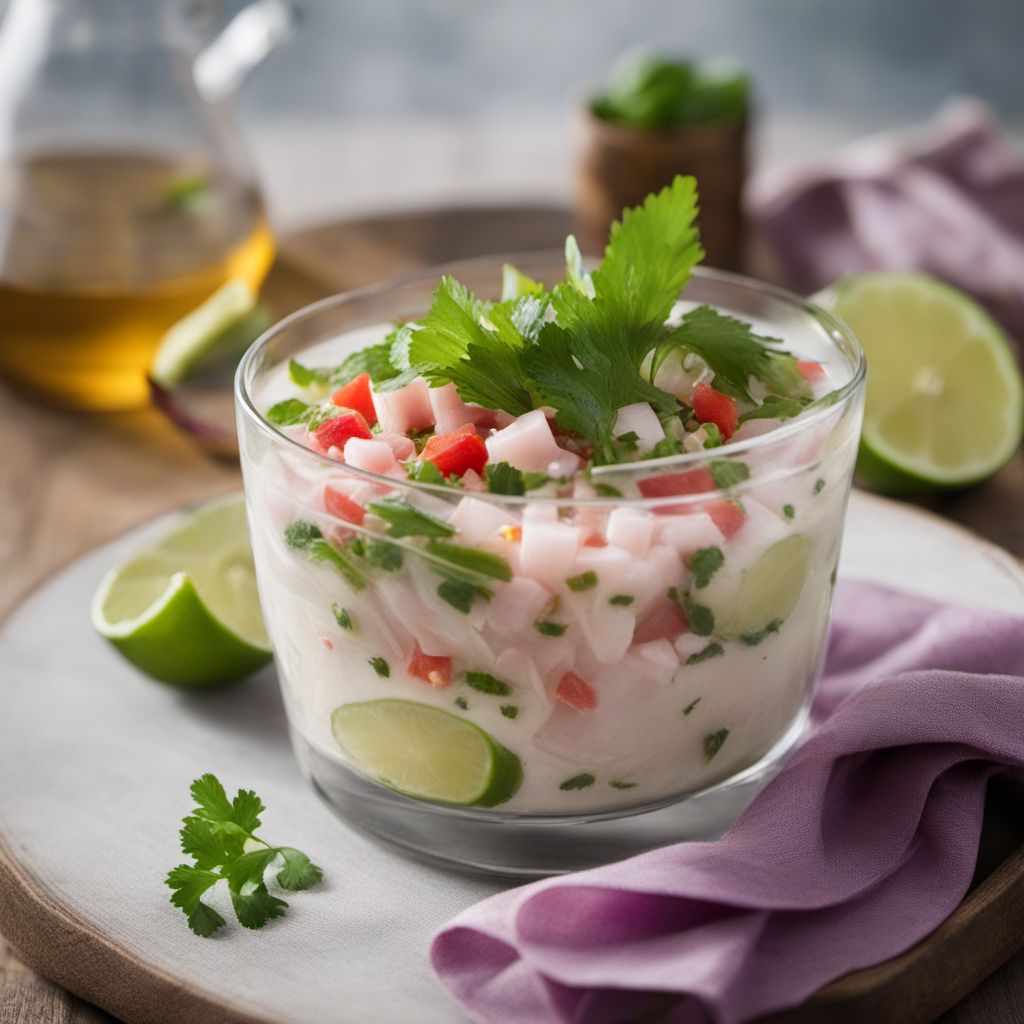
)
(862, 845)
(947, 200)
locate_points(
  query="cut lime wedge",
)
(185, 611)
(945, 404)
(221, 328)
(426, 753)
(766, 593)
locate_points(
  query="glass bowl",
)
(638, 669)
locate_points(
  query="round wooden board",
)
(97, 761)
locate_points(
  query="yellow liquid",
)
(101, 254)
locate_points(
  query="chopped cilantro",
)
(788, 511)
(689, 707)
(548, 628)
(375, 360)
(509, 710)
(290, 412)
(383, 555)
(578, 781)
(535, 479)
(504, 479)
(665, 447)
(756, 636)
(404, 520)
(321, 550)
(606, 490)
(625, 600)
(301, 534)
(425, 472)
(776, 407)
(705, 563)
(619, 784)
(713, 742)
(461, 594)
(711, 651)
(472, 559)
(629, 440)
(217, 835)
(381, 667)
(342, 617)
(585, 581)
(818, 485)
(728, 472)
(461, 702)
(700, 617)
(515, 284)
(486, 683)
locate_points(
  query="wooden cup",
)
(617, 166)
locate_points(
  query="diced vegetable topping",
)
(457, 452)
(576, 692)
(356, 395)
(333, 433)
(343, 507)
(431, 668)
(711, 406)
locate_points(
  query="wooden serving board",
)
(68, 482)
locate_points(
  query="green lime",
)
(185, 611)
(765, 594)
(221, 328)
(945, 404)
(426, 753)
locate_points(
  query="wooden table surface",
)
(70, 481)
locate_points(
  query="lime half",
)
(945, 404)
(426, 753)
(185, 611)
(222, 328)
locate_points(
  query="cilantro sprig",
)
(219, 836)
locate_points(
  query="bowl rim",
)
(836, 330)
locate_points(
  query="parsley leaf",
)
(705, 563)
(215, 835)
(547, 628)
(713, 743)
(321, 550)
(775, 407)
(374, 360)
(711, 651)
(584, 581)
(405, 520)
(728, 472)
(700, 617)
(757, 636)
(290, 412)
(461, 594)
(484, 682)
(503, 478)
(509, 710)
(301, 534)
(689, 707)
(306, 376)
(381, 667)
(580, 781)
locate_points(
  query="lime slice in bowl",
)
(185, 611)
(424, 752)
(945, 403)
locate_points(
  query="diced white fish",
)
(373, 457)
(642, 420)
(688, 533)
(549, 551)
(528, 444)
(406, 409)
(631, 530)
(516, 605)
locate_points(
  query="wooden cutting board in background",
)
(70, 481)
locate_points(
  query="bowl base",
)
(530, 846)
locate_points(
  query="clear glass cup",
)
(691, 718)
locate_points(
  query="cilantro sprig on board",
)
(219, 836)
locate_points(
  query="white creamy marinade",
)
(667, 710)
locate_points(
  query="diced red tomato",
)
(809, 369)
(456, 452)
(728, 516)
(711, 406)
(335, 432)
(435, 669)
(576, 692)
(343, 507)
(356, 395)
(595, 540)
(664, 622)
(692, 481)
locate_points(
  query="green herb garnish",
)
(461, 702)
(290, 412)
(713, 434)
(754, 637)
(625, 600)
(606, 490)
(486, 683)
(584, 581)
(713, 743)
(705, 563)
(425, 472)
(700, 618)
(381, 667)
(321, 550)
(472, 559)
(818, 485)
(502, 478)
(509, 710)
(711, 651)
(728, 473)
(405, 520)
(383, 555)
(548, 628)
(788, 511)
(578, 781)
(618, 784)
(461, 594)
(300, 534)
(342, 617)
(689, 707)
(375, 360)
(307, 376)
(215, 835)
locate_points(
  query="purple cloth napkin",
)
(862, 845)
(947, 200)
